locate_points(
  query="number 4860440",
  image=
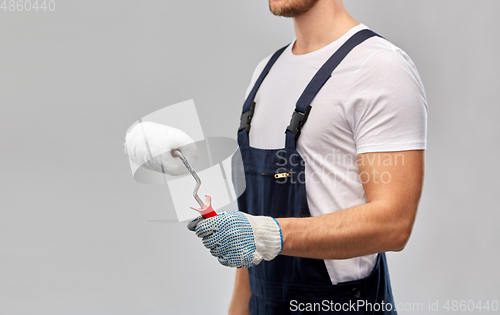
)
(28, 5)
(470, 305)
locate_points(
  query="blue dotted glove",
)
(238, 239)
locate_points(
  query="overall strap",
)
(303, 105)
(249, 106)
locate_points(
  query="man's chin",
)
(291, 8)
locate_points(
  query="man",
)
(356, 141)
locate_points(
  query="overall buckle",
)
(297, 122)
(246, 119)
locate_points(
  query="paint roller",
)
(167, 150)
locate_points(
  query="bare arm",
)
(384, 223)
(241, 293)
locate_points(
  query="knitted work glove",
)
(238, 239)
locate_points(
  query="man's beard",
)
(292, 8)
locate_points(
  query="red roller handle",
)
(209, 214)
(207, 211)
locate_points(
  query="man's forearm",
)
(365, 229)
(383, 224)
(241, 293)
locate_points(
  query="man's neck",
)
(326, 22)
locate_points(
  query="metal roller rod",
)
(179, 154)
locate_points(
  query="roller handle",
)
(209, 214)
(206, 210)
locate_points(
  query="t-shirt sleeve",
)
(386, 107)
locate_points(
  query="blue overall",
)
(279, 285)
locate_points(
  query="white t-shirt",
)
(374, 102)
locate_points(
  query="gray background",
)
(74, 230)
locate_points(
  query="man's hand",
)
(238, 239)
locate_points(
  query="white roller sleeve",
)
(150, 144)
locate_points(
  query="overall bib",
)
(273, 188)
